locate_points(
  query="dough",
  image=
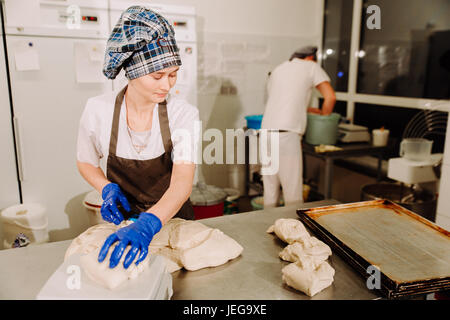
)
(188, 235)
(289, 230)
(182, 243)
(309, 272)
(308, 247)
(107, 277)
(216, 250)
(161, 239)
(93, 238)
(306, 276)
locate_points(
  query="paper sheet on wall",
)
(22, 13)
(26, 56)
(89, 62)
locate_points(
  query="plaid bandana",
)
(142, 42)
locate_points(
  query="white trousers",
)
(290, 172)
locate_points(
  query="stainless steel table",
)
(256, 274)
(348, 150)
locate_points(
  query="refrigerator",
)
(55, 62)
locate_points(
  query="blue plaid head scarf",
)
(142, 42)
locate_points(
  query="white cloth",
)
(289, 92)
(290, 171)
(95, 130)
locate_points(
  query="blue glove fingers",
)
(106, 213)
(105, 248)
(143, 255)
(130, 257)
(123, 200)
(117, 253)
(115, 213)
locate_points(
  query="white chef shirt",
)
(289, 92)
(95, 131)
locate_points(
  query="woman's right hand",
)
(112, 195)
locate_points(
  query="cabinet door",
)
(48, 103)
(9, 185)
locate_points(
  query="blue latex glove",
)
(139, 234)
(112, 195)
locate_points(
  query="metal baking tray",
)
(411, 253)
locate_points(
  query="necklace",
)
(138, 147)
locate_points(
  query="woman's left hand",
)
(138, 234)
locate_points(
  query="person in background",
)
(149, 177)
(289, 88)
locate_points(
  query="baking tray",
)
(412, 253)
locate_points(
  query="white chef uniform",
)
(95, 130)
(289, 92)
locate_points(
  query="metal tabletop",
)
(348, 150)
(256, 274)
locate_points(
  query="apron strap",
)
(164, 126)
(115, 123)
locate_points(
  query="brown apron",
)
(143, 181)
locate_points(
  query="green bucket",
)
(322, 129)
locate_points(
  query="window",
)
(396, 120)
(410, 55)
(336, 44)
(340, 107)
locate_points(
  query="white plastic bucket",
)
(29, 219)
(93, 203)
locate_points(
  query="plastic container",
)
(27, 219)
(322, 129)
(93, 203)
(380, 137)
(416, 149)
(207, 201)
(254, 121)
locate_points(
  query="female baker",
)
(149, 175)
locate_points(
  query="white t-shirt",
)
(289, 92)
(95, 131)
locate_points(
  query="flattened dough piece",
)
(110, 278)
(289, 230)
(310, 247)
(161, 239)
(304, 275)
(188, 235)
(92, 238)
(216, 250)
